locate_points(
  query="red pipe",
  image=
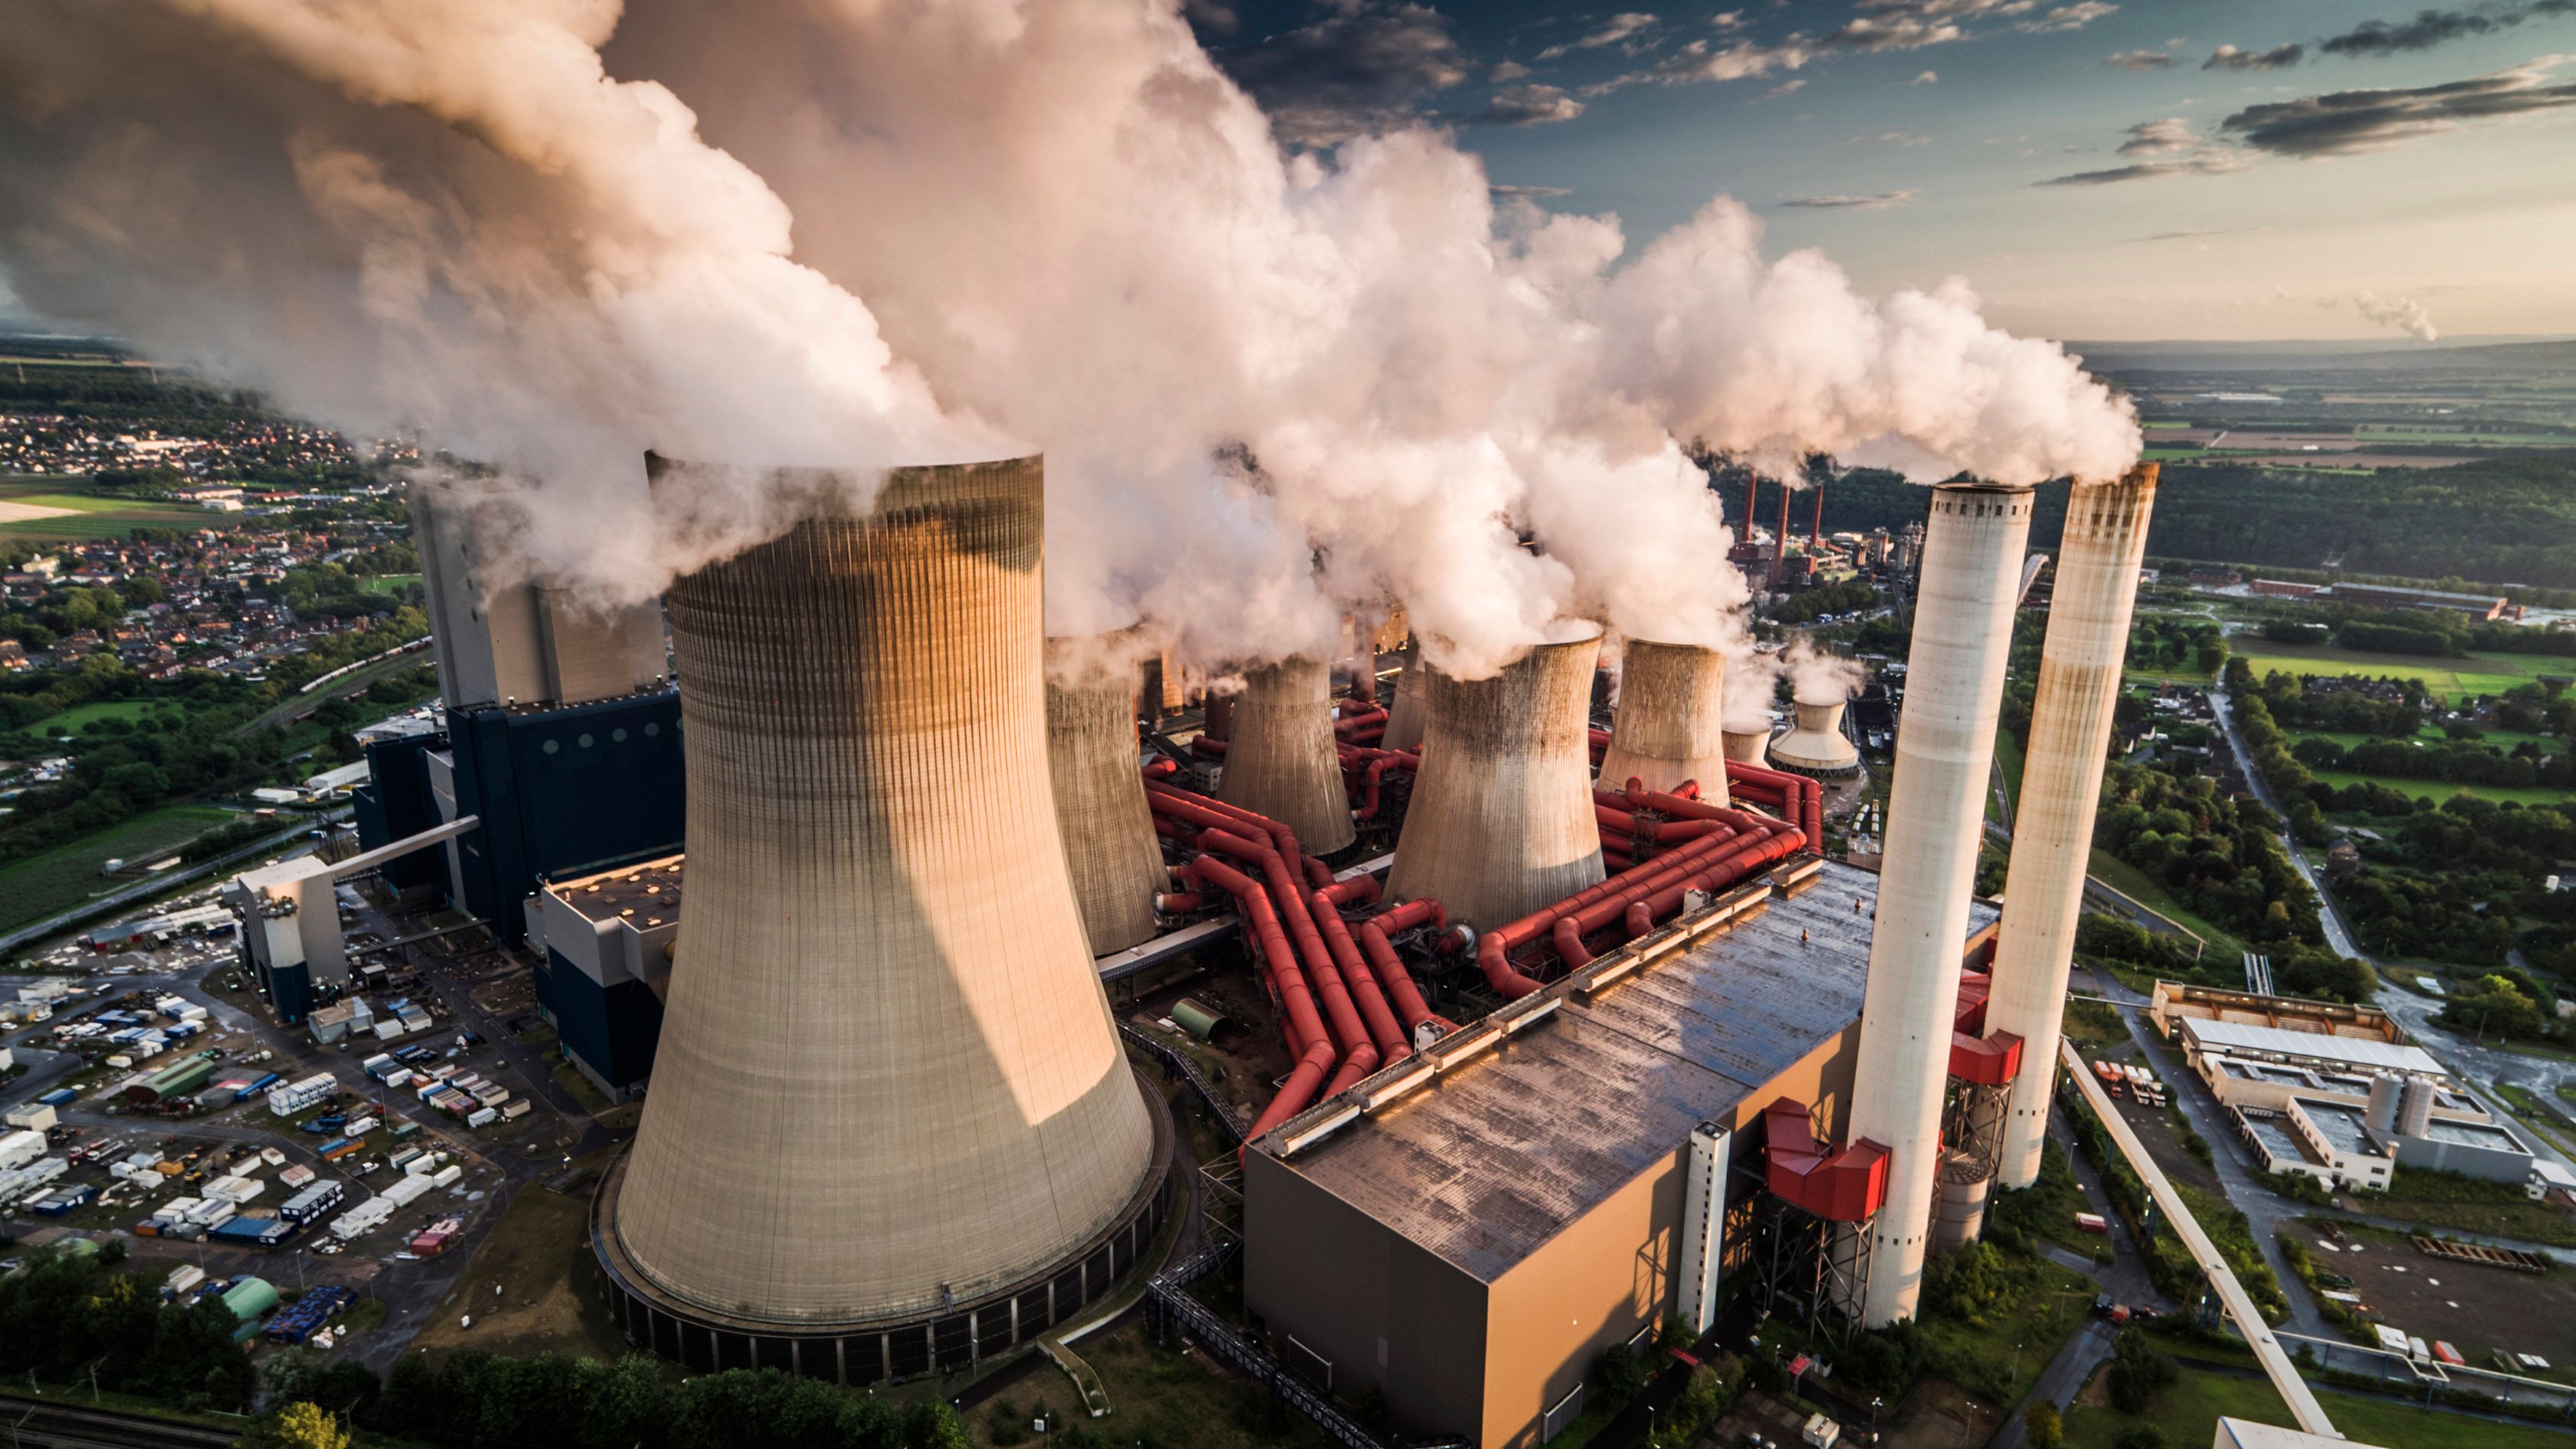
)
(1161, 768)
(1375, 943)
(1350, 723)
(1801, 799)
(1721, 858)
(1209, 746)
(1279, 835)
(1382, 1028)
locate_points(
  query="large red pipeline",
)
(1376, 943)
(1707, 862)
(1371, 766)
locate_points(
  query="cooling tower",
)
(1411, 711)
(1815, 744)
(1745, 747)
(1501, 821)
(2061, 783)
(1670, 725)
(1100, 811)
(1945, 740)
(1279, 758)
(888, 1089)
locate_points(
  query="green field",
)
(91, 515)
(2393, 433)
(2474, 674)
(2188, 1413)
(79, 717)
(2441, 790)
(2138, 886)
(2504, 740)
(63, 877)
(391, 583)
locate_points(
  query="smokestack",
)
(1670, 725)
(1780, 540)
(1279, 758)
(2061, 784)
(1816, 526)
(888, 1084)
(1815, 744)
(1100, 811)
(1501, 820)
(1411, 711)
(1752, 498)
(1945, 742)
(1745, 747)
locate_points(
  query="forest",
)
(2499, 520)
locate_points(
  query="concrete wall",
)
(1608, 1274)
(2495, 1164)
(1385, 1311)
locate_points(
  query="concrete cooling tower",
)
(1279, 758)
(1407, 717)
(1100, 810)
(1501, 821)
(1745, 747)
(2061, 784)
(1954, 678)
(1671, 721)
(891, 1126)
(1815, 744)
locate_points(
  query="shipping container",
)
(2448, 1354)
(481, 1117)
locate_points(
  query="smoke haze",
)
(1271, 389)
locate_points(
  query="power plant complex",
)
(1521, 1024)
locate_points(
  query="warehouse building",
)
(603, 946)
(1491, 1230)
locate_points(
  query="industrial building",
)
(1563, 1017)
(1538, 1190)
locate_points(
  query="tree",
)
(297, 1426)
(2042, 1428)
(2139, 1372)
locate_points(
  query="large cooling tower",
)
(1100, 809)
(1815, 744)
(1410, 714)
(888, 1088)
(1279, 758)
(2061, 783)
(1745, 747)
(1670, 724)
(1501, 821)
(1945, 741)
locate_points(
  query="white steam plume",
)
(1271, 390)
(1817, 677)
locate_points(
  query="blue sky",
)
(2254, 168)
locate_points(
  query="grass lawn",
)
(391, 583)
(2188, 1413)
(1999, 1359)
(94, 515)
(2441, 790)
(80, 716)
(2008, 760)
(1157, 1395)
(2474, 674)
(2138, 886)
(2440, 1200)
(61, 878)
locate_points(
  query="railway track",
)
(27, 1423)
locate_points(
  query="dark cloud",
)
(1362, 65)
(2139, 60)
(2341, 123)
(1532, 105)
(1880, 202)
(2430, 28)
(2168, 147)
(2279, 57)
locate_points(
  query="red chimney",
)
(1816, 530)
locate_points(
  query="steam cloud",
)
(1271, 389)
(1817, 677)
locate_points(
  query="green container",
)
(1199, 1020)
(249, 1299)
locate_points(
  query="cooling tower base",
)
(959, 1338)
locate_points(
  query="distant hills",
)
(2454, 355)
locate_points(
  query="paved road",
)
(2477, 1062)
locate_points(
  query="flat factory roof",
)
(646, 894)
(1497, 1157)
(2312, 1046)
(2277, 1137)
(2338, 1124)
(2475, 1134)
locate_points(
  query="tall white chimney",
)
(1945, 741)
(1670, 724)
(2061, 783)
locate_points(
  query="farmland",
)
(2452, 678)
(65, 876)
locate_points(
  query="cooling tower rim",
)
(627, 1278)
(1983, 485)
(898, 485)
(657, 463)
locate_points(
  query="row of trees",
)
(2220, 857)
